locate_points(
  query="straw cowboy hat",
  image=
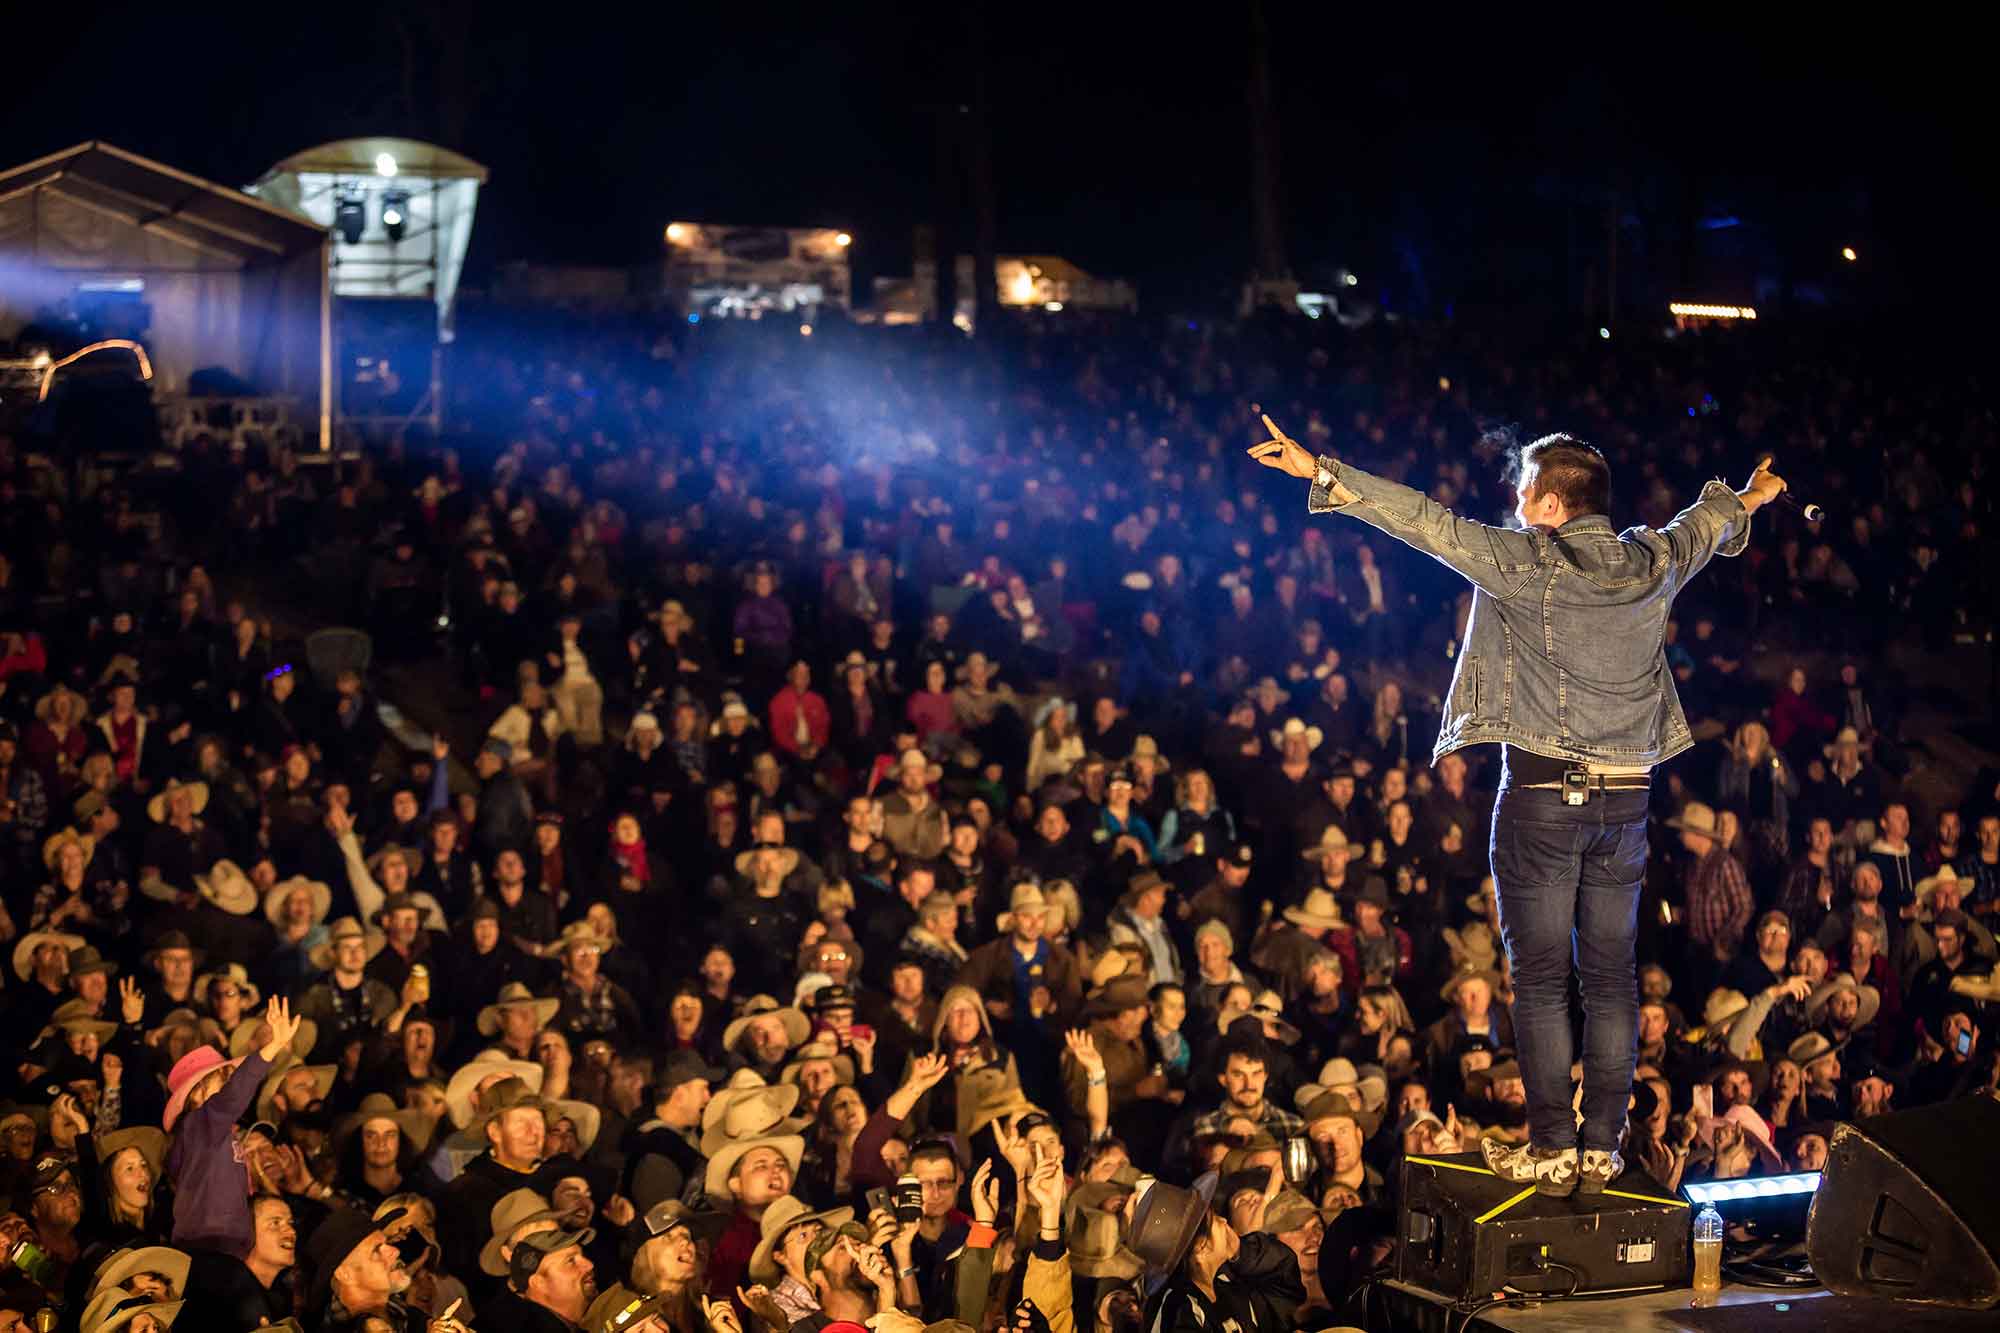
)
(156, 809)
(784, 1214)
(1449, 991)
(1095, 1238)
(346, 928)
(987, 1094)
(1812, 1046)
(722, 1165)
(122, 1265)
(46, 705)
(227, 887)
(843, 1066)
(514, 1210)
(323, 1076)
(1116, 996)
(1845, 736)
(1722, 1005)
(53, 848)
(1945, 876)
(514, 995)
(281, 892)
(465, 1081)
(1320, 911)
(227, 972)
(74, 1017)
(788, 858)
(1871, 999)
(1026, 897)
(586, 1118)
(150, 1140)
(748, 1108)
(1473, 946)
(1331, 839)
(24, 949)
(1696, 818)
(1294, 727)
(797, 1026)
(414, 1126)
(1145, 747)
(576, 935)
(1337, 1076)
(114, 1309)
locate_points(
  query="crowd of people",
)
(893, 801)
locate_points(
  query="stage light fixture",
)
(1603, 333)
(1770, 1207)
(385, 164)
(350, 218)
(677, 233)
(842, 239)
(1847, 253)
(395, 213)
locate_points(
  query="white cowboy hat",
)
(1320, 911)
(281, 892)
(1294, 727)
(228, 887)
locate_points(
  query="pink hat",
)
(187, 1072)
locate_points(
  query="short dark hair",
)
(1567, 468)
(1251, 1046)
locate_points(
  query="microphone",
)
(1812, 511)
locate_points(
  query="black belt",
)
(1600, 782)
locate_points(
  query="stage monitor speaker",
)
(1909, 1207)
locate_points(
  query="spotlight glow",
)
(1711, 311)
(385, 164)
(677, 232)
(843, 240)
(1847, 253)
(1752, 1187)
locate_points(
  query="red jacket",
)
(786, 707)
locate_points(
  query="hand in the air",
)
(1284, 453)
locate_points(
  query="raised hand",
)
(1763, 487)
(1083, 1049)
(1014, 1146)
(1285, 454)
(927, 1071)
(283, 1026)
(1045, 1187)
(985, 1193)
(759, 1301)
(131, 1001)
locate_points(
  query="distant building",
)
(1026, 282)
(733, 272)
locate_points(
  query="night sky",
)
(1120, 132)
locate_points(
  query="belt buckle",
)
(1576, 786)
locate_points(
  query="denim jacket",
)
(1563, 653)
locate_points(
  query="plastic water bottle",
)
(1708, 1249)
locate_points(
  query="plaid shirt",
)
(1718, 901)
(1279, 1123)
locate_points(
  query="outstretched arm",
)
(1498, 560)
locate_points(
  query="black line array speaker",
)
(1909, 1207)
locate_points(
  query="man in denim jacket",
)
(1564, 667)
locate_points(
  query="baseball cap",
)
(529, 1251)
(827, 1239)
(684, 1066)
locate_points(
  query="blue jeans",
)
(1568, 878)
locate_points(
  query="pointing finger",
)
(1271, 425)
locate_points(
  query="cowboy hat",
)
(1472, 945)
(1167, 1220)
(148, 1139)
(784, 1214)
(797, 1027)
(281, 892)
(227, 887)
(1332, 839)
(1449, 990)
(465, 1080)
(586, 1118)
(748, 1108)
(514, 1210)
(24, 949)
(227, 972)
(156, 809)
(1145, 747)
(1696, 818)
(1336, 1076)
(413, 858)
(118, 1267)
(84, 961)
(1812, 1046)
(1871, 999)
(1294, 727)
(252, 1033)
(1116, 996)
(1375, 892)
(74, 1016)
(414, 1126)
(1758, 1132)
(788, 858)
(514, 995)
(1269, 1009)
(54, 846)
(346, 928)
(722, 1164)
(1931, 883)
(577, 934)
(1095, 1238)
(322, 1075)
(189, 1070)
(1722, 1005)
(1845, 736)
(987, 1094)
(1141, 884)
(47, 704)
(1320, 911)
(1026, 897)
(843, 1066)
